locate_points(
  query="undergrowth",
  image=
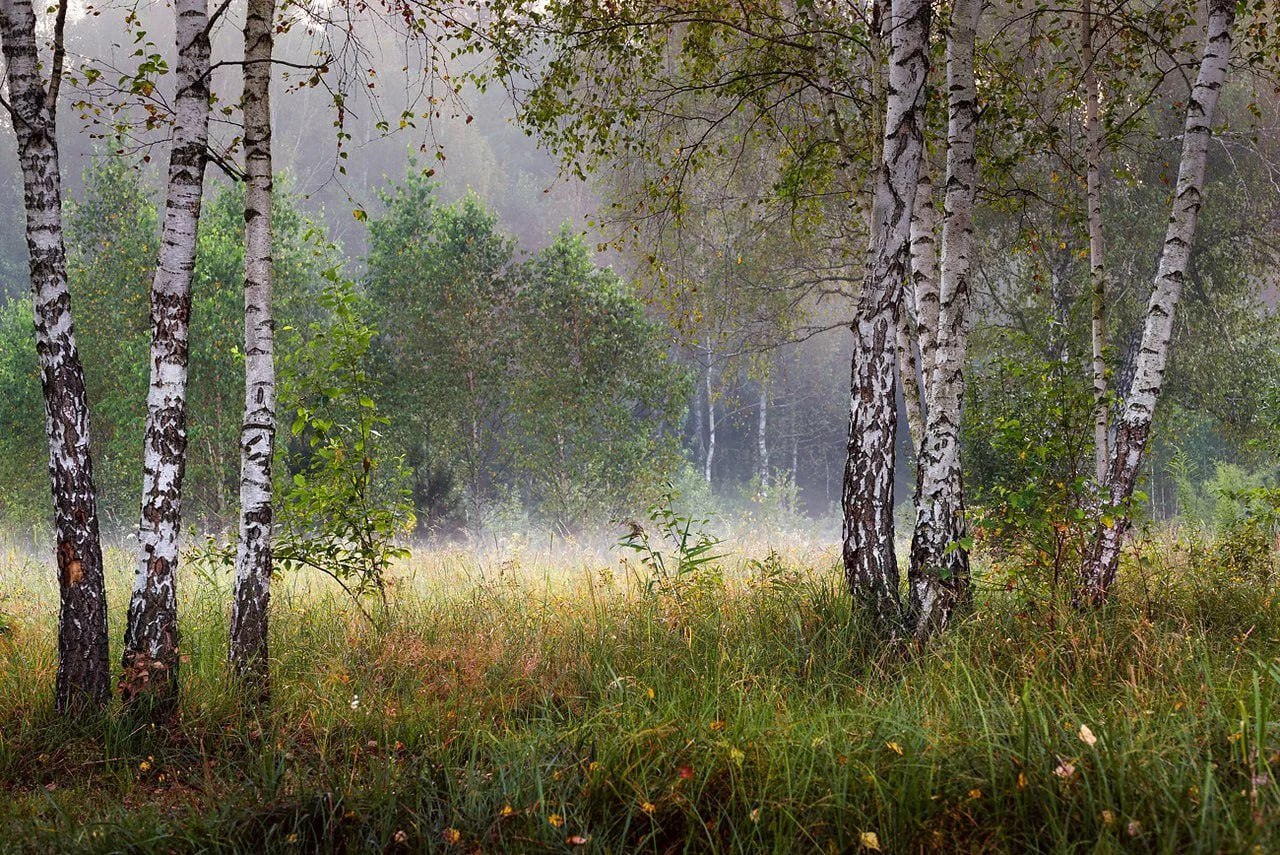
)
(529, 708)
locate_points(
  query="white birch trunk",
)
(1097, 270)
(909, 374)
(84, 675)
(249, 609)
(924, 276)
(918, 326)
(867, 498)
(939, 574)
(711, 420)
(150, 657)
(1103, 558)
(762, 437)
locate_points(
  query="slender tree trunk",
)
(699, 426)
(867, 497)
(84, 675)
(924, 276)
(1097, 271)
(795, 455)
(939, 574)
(918, 325)
(150, 657)
(1103, 558)
(909, 372)
(762, 437)
(711, 420)
(249, 609)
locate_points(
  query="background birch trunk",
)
(150, 659)
(84, 675)
(867, 497)
(939, 574)
(762, 437)
(1134, 429)
(249, 609)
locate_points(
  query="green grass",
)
(522, 707)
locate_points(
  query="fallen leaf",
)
(870, 841)
(1087, 737)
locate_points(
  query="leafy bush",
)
(344, 500)
(1028, 433)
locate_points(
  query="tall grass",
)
(525, 706)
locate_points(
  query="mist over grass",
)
(529, 699)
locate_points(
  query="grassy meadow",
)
(548, 701)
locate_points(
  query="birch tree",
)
(249, 609)
(918, 323)
(939, 574)
(150, 658)
(867, 498)
(1093, 218)
(1134, 428)
(83, 678)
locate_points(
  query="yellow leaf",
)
(894, 747)
(870, 841)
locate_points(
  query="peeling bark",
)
(84, 675)
(1103, 558)
(249, 609)
(867, 499)
(150, 659)
(939, 575)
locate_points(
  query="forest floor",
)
(562, 705)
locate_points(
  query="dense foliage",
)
(515, 384)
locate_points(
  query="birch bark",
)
(252, 597)
(939, 574)
(917, 330)
(867, 497)
(150, 658)
(1097, 270)
(1103, 558)
(84, 676)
